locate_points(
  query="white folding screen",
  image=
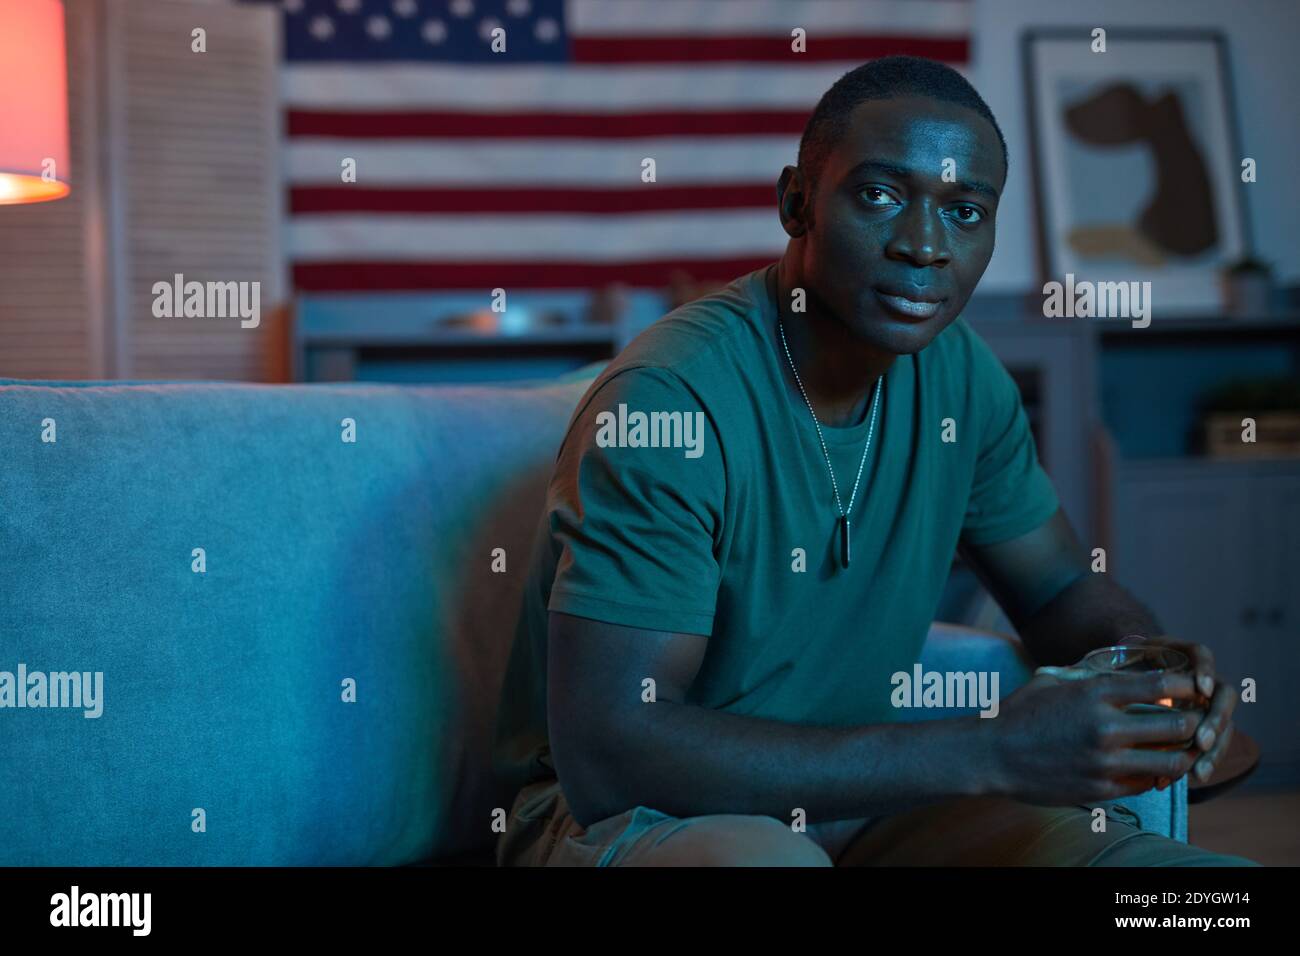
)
(175, 171)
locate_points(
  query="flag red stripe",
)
(448, 124)
(650, 197)
(774, 49)
(342, 276)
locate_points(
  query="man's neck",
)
(838, 370)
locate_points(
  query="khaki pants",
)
(971, 831)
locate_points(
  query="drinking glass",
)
(1137, 658)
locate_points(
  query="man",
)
(721, 591)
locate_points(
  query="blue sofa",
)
(225, 737)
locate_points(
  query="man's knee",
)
(735, 840)
(1155, 850)
(1212, 859)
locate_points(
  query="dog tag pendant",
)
(844, 540)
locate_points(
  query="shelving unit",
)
(1212, 545)
(411, 338)
(453, 355)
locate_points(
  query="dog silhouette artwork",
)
(1179, 218)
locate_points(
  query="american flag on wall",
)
(523, 169)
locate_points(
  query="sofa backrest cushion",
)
(325, 562)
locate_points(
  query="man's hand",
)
(1215, 730)
(1062, 741)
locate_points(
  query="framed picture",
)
(1137, 164)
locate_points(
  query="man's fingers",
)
(1207, 763)
(1203, 665)
(1132, 786)
(1172, 727)
(1064, 673)
(1151, 687)
(1217, 717)
(1202, 659)
(1151, 764)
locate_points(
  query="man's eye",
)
(876, 196)
(968, 214)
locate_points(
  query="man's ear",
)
(792, 202)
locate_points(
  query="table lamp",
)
(33, 102)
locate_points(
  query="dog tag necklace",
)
(844, 514)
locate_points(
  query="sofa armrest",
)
(956, 647)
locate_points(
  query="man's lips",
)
(912, 305)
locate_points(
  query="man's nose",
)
(919, 236)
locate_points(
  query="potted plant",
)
(1247, 287)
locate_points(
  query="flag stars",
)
(518, 8)
(433, 31)
(546, 29)
(462, 8)
(486, 27)
(322, 28)
(379, 28)
(405, 8)
(349, 6)
(292, 6)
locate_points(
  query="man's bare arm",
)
(1045, 583)
(1062, 610)
(1053, 742)
(614, 751)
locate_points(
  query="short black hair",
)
(887, 78)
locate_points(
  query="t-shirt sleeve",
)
(636, 507)
(1010, 494)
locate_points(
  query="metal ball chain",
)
(834, 487)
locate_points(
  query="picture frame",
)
(1137, 163)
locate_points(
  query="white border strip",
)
(528, 162)
(707, 232)
(479, 87)
(928, 18)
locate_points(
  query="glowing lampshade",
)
(33, 102)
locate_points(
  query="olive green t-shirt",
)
(722, 521)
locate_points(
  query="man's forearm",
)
(1092, 612)
(687, 760)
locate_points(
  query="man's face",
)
(894, 251)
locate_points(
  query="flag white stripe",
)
(486, 238)
(927, 18)
(484, 88)
(566, 162)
